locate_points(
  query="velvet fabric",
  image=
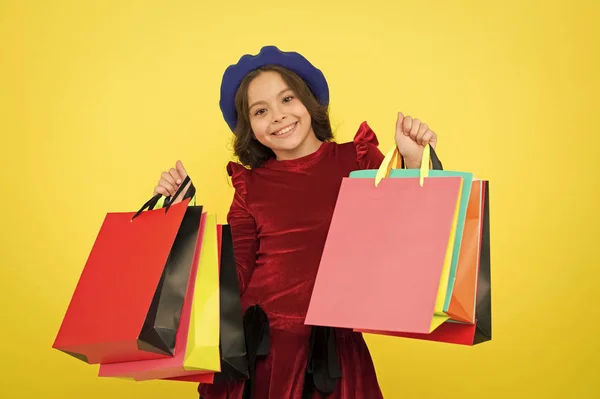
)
(280, 217)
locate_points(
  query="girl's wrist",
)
(412, 164)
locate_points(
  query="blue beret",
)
(269, 55)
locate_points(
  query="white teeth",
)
(283, 131)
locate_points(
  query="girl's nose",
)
(279, 118)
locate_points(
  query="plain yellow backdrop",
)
(99, 97)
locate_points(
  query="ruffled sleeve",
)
(368, 155)
(243, 226)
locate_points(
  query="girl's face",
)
(278, 118)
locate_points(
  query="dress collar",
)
(306, 160)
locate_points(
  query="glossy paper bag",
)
(462, 212)
(172, 366)
(387, 256)
(481, 330)
(202, 351)
(125, 306)
(462, 303)
(234, 356)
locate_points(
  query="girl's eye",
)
(288, 99)
(260, 112)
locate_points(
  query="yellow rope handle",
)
(386, 166)
(424, 164)
(393, 158)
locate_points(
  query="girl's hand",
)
(412, 136)
(170, 181)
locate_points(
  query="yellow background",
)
(99, 97)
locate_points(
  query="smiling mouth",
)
(285, 130)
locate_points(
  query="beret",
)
(269, 55)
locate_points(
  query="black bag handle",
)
(151, 203)
(436, 164)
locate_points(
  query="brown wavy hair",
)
(250, 151)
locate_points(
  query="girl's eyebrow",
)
(278, 94)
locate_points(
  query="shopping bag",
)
(202, 350)
(232, 343)
(481, 330)
(234, 362)
(127, 303)
(462, 303)
(387, 256)
(391, 159)
(176, 364)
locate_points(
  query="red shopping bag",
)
(125, 306)
(386, 253)
(170, 366)
(480, 286)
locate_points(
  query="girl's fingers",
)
(414, 129)
(183, 192)
(421, 133)
(426, 139)
(407, 125)
(176, 176)
(433, 140)
(170, 187)
(181, 170)
(167, 176)
(171, 180)
(161, 190)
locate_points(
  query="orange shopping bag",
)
(462, 303)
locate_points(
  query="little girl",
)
(276, 104)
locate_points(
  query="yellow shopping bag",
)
(202, 351)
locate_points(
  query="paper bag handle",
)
(151, 203)
(393, 158)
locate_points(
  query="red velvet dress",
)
(279, 220)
